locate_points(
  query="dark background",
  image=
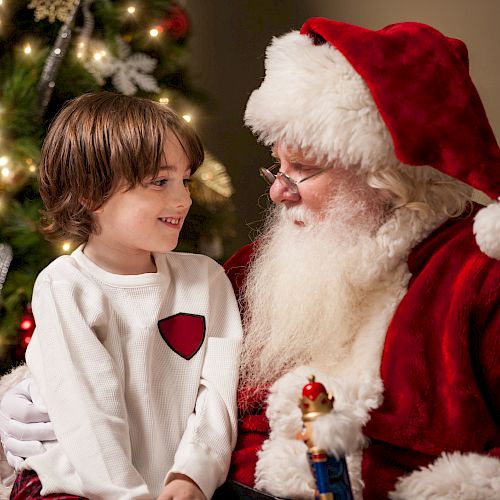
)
(226, 58)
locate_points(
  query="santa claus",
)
(367, 272)
(375, 270)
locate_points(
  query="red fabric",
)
(184, 333)
(236, 267)
(438, 118)
(27, 486)
(253, 430)
(440, 365)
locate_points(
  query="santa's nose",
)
(281, 193)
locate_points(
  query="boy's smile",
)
(147, 218)
(170, 220)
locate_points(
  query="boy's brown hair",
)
(96, 142)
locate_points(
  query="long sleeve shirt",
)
(139, 375)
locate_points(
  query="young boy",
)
(136, 348)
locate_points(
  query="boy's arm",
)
(204, 453)
(81, 386)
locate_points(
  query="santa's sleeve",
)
(473, 474)
(253, 430)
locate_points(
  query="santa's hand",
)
(24, 423)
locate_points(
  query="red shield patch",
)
(184, 333)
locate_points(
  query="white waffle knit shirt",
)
(127, 409)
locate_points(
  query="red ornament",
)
(176, 23)
(26, 328)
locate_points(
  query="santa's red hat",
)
(377, 98)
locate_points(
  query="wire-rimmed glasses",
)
(269, 176)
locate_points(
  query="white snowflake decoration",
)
(5, 260)
(128, 71)
(52, 9)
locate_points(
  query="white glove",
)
(24, 423)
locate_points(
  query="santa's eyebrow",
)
(293, 158)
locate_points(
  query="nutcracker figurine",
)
(330, 472)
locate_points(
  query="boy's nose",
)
(182, 197)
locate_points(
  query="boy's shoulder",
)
(63, 269)
(193, 269)
(192, 261)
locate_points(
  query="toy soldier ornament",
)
(330, 472)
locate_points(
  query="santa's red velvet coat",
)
(440, 365)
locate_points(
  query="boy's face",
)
(146, 218)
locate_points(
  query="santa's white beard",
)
(306, 288)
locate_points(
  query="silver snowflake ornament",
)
(128, 71)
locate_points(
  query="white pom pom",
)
(487, 230)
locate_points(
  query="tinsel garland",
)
(47, 80)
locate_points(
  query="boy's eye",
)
(159, 182)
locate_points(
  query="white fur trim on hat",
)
(487, 230)
(312, 97)
(454, 476)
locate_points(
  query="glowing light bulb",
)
(188, 118)
(5, 172)
(164, 100)
(26, 324)
(97, 56)
(79, 55)
(154, 32)
(131, 9)
(32, 169)
(3, 161)
(66, 247)
(27, 49)
(81, 45)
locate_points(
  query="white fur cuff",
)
(283, 470)
(454, 476)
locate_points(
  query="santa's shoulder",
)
(451, 253)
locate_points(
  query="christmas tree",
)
(51, 51)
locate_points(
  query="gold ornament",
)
(211, 186)
(52, 9)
